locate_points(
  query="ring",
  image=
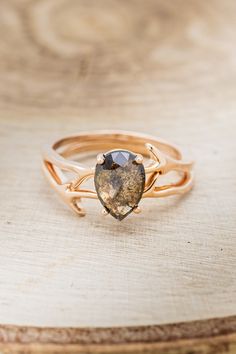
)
(129, 167)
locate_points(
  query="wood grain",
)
(160, 67)
(209, 336)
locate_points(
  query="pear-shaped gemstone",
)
(119, 182)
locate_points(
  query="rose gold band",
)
(164, 157)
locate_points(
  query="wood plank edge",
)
(225, 344)
(206, 336)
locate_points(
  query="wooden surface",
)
(208, 337)
(162, 67)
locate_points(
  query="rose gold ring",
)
(129, 167)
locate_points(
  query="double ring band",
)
(128, 168)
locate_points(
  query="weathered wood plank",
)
(166, 68)
(209, 336)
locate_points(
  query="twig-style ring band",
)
(128, 168)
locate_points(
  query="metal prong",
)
(139, 159)
(105, 212)
(100, 159)
(137, 210)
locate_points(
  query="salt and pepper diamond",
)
(119, 182)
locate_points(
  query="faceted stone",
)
(119, 182)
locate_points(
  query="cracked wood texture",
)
(155, 282)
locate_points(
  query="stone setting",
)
(119, 182)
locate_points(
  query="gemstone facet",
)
(119, 182)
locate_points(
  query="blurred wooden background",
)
(161, 67)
